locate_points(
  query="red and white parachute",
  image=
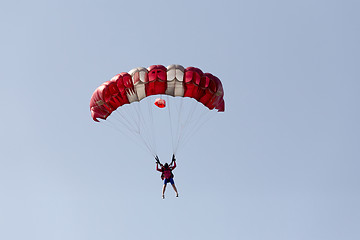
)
(129, 95)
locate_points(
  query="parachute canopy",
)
(139, 83)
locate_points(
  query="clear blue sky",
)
(281, 163)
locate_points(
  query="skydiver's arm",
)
(157, 168)
(157, 163)
(173, 162)
(173, 167)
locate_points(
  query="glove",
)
(173, 158)
(157, 159)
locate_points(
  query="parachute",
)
(127, 94)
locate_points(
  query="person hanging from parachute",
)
(123, 103)
(166, 174)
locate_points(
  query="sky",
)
(280, 163)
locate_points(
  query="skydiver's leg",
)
(163, 191)
(174, 187)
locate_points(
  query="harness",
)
(163, 169)
(162, 173)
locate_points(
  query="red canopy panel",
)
(157, 80)
(119, 80)
(208, 88)
(192, 78)
(98, 107)
(217, 101)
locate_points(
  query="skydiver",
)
(166, 174)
